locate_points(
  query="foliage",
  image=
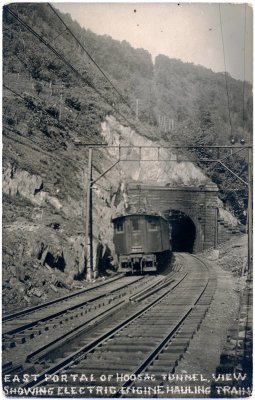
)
(73, 103)
(38, 88)
(53, 111)
(182, 103)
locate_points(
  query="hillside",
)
(51, 112)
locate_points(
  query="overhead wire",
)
(69, 65)
(36, 147)
(14, 92)
(134, 112)
(226, 81)
(24, 47)
(91, 58)
(62, 58)
(40, 108)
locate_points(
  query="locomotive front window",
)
(152, 224)
(135, 224)
(119, 226)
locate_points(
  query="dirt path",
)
(203, 355)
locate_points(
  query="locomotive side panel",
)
(153, 233)
(165, 233)
(120, 237)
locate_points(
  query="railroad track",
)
(32, 322)
(54, 323)
(146, 337)
(46, 305)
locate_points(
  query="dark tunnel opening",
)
(183, 231)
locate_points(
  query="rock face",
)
(44, 216)
(20, 182)
(44, 207)
(171, 172)
(37, 219)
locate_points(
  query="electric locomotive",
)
(140, 241)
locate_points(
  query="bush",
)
(73, 102)
(38, 88)
(53, 111)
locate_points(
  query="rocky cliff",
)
(49, 117)
(45, 206)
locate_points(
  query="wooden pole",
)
(89, 230)
(60, 107)
(137, 107)
(216, 229)
(250, 244)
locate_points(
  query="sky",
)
(190, 32)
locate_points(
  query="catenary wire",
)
(75, 70)
(95, 63)
(36, 147)
(40, 108)
(70, 66)
(226, 81)
(91, 58)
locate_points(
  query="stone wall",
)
(198, 203)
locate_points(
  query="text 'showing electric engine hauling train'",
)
(141, 240)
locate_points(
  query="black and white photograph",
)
(127, 200)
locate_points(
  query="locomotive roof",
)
(144, 214)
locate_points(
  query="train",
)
(142, 240)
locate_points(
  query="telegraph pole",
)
(89, 229)
(216, 229)
(137, 108)
(60, 107)
(91, 273)
(250, 213)
(60, 103)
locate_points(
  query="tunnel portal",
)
(199, 206)
(183, 231)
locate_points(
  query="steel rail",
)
(82, 352)
(154, 354)
(154, 288)
(29, 310)
(66, 310)
(149, 291)
(37, 355)
(86, 324)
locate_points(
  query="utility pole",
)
(91, 273)
(216, 229)
(250, 213)
(60, 107)
(89, 229)
(137, 104)
(60, 102)
(165, 128)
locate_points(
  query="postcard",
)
(127, 200)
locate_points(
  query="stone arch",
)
(198, 203)
(185, 232)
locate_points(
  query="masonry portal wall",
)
(197, 203)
